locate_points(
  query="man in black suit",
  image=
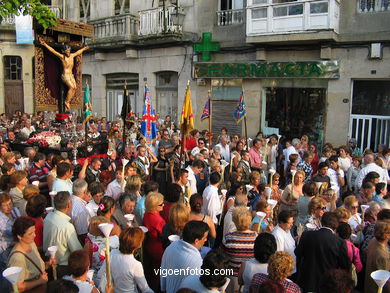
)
(320, 251)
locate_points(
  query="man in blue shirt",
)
(182, 257)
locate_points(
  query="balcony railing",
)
(124, 25)
(373, 5)
(230, 17)
(292, 17)
(158, 21)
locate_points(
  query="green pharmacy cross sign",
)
(206, 46)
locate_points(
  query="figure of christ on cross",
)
(67, 60)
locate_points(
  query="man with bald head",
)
(370, 166)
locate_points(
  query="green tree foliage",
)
(43, 15)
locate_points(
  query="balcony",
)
(114, 30)
(161, 24)
(373, 5)
(230, 17)
(303, 17)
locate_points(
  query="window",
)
(166, 91)
(371, 97)
(318, 8)
(288, 10)
(259, 13)
(12, 67)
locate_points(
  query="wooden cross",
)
(206, 46)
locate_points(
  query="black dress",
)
(161, 176)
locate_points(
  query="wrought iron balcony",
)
(265, 17)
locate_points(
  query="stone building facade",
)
(315, 67)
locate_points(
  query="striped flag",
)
(206, 110)
(148, 124)
(240, 111)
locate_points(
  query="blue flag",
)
(240, 111)
(148, 124)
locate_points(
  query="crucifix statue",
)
(67, 60)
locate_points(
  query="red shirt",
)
(165, 212)
(190, 143)
(153, 245)
(38, 231)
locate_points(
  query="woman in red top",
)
(35, 209)
(154, 204)
(192, 140)
(314, 163)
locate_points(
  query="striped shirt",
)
(258, 279)
(80, 215)
(239, 248)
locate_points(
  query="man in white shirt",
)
(336, 174)
(57, 230)
(114, 189)
(292, 149)
(284, 240)
(183, 255)
(212, 203)
(195, 168)
(224, 147)
(63, 182)
(369, 160)
(80, 215)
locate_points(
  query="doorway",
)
(13, 85)
(297, 111)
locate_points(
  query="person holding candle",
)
(292, 193)
(317, 208)
(18, 182)
(25, 255)
(266, 224)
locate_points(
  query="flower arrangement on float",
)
(46, 139)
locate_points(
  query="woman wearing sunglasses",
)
(317, 207)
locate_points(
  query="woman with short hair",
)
(78, 263)
(26, 256)
(18, 183)
(127, 273)
(154, 204)
(178, 216)
(8, 215)
(316, 209)
(239, 244)
(280, 266)
(378, 256)
(35, 210)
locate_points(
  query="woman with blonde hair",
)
(342, 215)
(280, 267)
(239, 245)
(152, 220)
(292, 193)
(18, 182)
(133, 185)
(316, 209)
(179, 215)
(29, 191)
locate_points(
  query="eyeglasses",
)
(354, 207)
(321, 208)
(201, 143)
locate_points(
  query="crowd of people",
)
(266, 214)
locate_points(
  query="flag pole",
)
(245, 127)
(86, 127)
(210, 120)
(124, 121)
